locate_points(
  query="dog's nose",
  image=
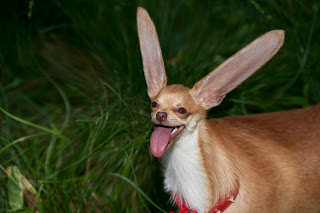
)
(161, 116)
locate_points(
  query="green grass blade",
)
(119, 96)
(31, 124)
(139, 190)
(22, 139)
(136, 182)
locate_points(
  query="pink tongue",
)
(159, 140)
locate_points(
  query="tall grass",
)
(74, 109)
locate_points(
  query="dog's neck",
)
(188, 175)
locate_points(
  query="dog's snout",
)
(161, 116)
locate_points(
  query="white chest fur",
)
(184, 172)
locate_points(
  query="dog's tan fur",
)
(274, 158)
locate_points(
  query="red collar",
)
(220, 207)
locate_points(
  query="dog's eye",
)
(154, 104)
(182, 110)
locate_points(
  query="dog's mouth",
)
(162, 136)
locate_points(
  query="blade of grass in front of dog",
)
(138, 189)
(136, 182)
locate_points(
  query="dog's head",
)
(176, 108)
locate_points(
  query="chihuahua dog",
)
(256, 163)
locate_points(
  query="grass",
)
(74, 108)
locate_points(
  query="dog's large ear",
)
(153, 65)
(211, 90)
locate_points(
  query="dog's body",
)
(278, 169)
(270, 162)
